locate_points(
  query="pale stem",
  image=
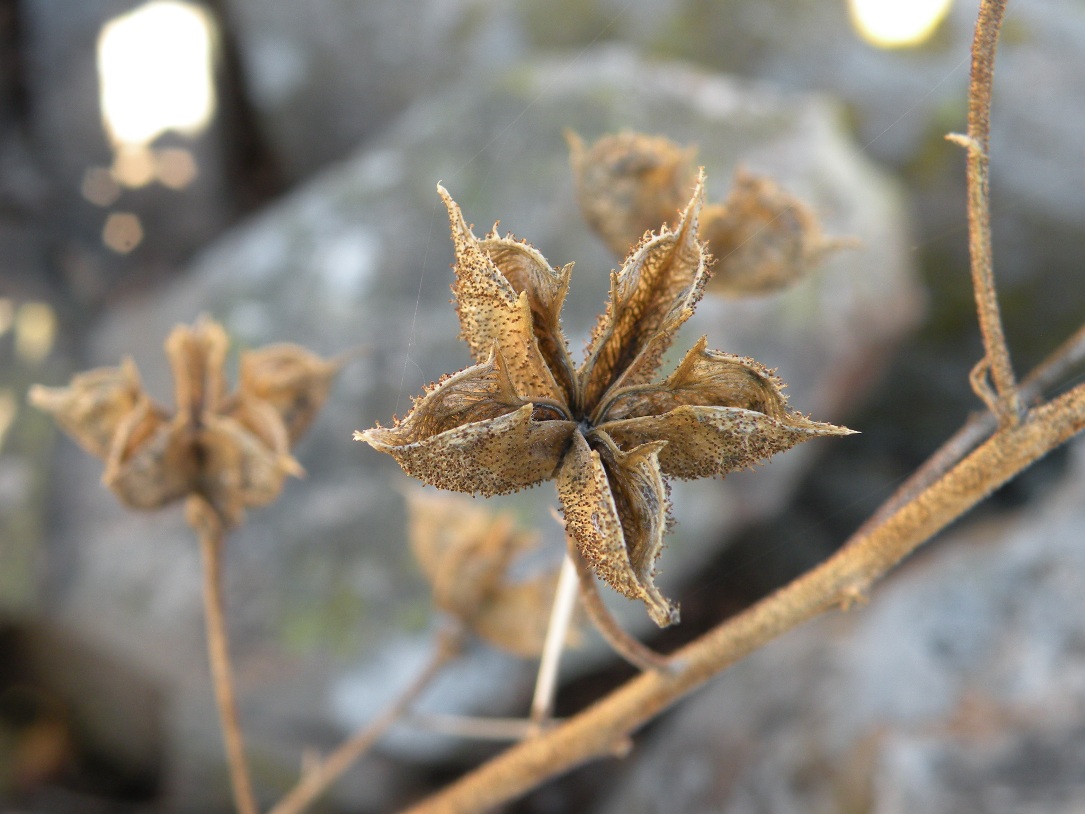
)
(557, 631)
(839, 581)
(633, 651)
(209, 528)
(320, 774)
(476, 728)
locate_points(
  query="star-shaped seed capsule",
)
(608, 431)
(231, 449)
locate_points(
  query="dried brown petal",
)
(707, 378)
(465, 553)
(629, 183)
(197, 357)
(591, 502)
(472, 433)
(703, 442)
(291, 380)
(529, 273)
(92, 407)
(515, 617)
(238, 470)
(492, 313)
(762, 238)
(151, 462)
(653, 294)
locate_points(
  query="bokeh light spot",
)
(133, 166)
(154, 66)
(123, 232)
(897, 23)
(100, 187)
(35, 331)
(175, 167)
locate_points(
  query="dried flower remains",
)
(608, 431)
(231, 449)
(468, 555)
(762, 238)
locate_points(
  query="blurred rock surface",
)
(320, 586)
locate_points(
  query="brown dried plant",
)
(222, 452)
(1019, 428)
(467, 555)
(609, 432)
(761, 238)
(231, 450)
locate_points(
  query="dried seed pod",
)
(466, 554)
(628, 184)
(762, 238)
(606, 431)
(233, 450)
(92, 407)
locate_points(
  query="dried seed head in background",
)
(232, 449)
(630, 183)
(607, 430)
(466, 554)
(761, 239)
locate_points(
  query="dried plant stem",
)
(320, 775)
(468, 726)
(622, 643)
(561, 616)
(980, 426)
(839, 581)
(1004, 402)
(209, 527)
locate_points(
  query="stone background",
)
(314, 219)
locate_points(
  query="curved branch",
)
(839, 581)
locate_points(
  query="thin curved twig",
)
(210, 529)
(1004, 402)
(979, 426)
(322, 773)
(629, 648)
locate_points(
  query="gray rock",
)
(323, 76)
(958, 688)
(320, 585)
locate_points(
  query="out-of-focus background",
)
(273, 163)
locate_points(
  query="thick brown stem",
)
(208, 525)
(843, 578)
(980, 426)
(317, 779)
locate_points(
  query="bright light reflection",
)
(176, 168)
(154, 66)
(122, 232)
(133, 166)
(897, 23)
(35, 331)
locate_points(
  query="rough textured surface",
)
(322, 594)
(958, 688)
